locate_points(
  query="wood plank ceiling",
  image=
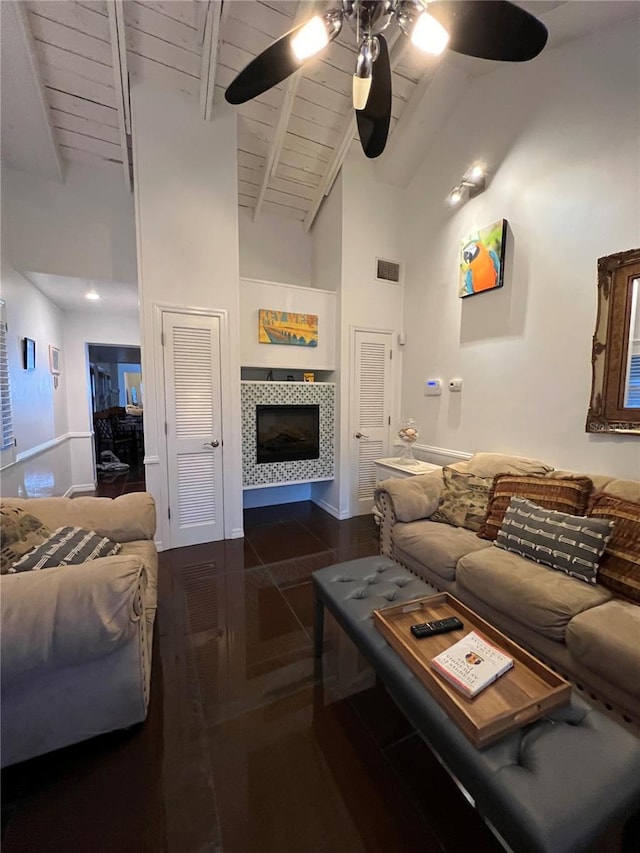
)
(291, 140)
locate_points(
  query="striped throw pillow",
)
(67, 546)
(562, 494)
(620, 564)
(572, 544)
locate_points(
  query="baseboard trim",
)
(237, 533)
(82, 487)
(332, 510)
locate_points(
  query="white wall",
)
(274, 248)
(93, 326)
(187, 237)
(560, 135)
(369, 218)
(82, 228)
(39, 409)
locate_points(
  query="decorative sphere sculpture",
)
(408, 435)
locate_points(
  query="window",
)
(7, 443)
(633, 386)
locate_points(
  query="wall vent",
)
(387, 271)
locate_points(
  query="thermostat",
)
(432, 388)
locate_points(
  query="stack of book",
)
(471, 664)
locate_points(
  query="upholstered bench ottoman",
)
(553, 786)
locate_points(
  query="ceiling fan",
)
(487, 29)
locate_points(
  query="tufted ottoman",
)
(555, 786)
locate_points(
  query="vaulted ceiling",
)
(70, 63)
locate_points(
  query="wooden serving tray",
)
(526, 692)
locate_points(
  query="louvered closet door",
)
(194, 431)
(370, 414)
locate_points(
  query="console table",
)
(393, 467)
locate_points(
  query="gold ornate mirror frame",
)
(607, 413)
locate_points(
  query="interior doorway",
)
(117, 403)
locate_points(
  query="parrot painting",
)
(483, 268)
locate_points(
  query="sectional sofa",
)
(589, 632)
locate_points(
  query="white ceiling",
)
(62, 99)
(70, 293)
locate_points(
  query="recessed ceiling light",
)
(92, 295)
(476, 173)
(455, 196)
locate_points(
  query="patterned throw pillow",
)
(21, 531)
(620, 564)
(562, 494)
(572, 544)
(464, 501)
(67, 546)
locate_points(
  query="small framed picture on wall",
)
(29, 353)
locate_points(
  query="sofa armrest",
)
(69, 614)
(125, 519)
(413, 497)
(406, 499)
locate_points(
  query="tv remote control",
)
(440, 626)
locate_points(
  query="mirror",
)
(615, 360)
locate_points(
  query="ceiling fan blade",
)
(269, 68)
(490, 29)
(373, 120)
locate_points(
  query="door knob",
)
(214, 443)
(361, 435)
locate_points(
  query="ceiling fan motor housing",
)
(369, 17)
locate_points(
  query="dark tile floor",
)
(247, 747)
(112, 484)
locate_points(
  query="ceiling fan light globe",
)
(361, 89)
(429, 35)
(310, 39)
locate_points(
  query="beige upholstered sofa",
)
(587, 632)
(76, 640)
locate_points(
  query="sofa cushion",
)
(21, 532)
(534, 595)
(437, 546)
(605, 640)
(464, 499)
(620, 564)
(67, 546)
(567, 494)
(490, 464)
(571, 544)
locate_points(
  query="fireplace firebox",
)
(287, 433)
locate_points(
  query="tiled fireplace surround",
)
(253, 394)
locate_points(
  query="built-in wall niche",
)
(274, 296)
(284, 374)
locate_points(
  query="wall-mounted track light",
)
(473, 182)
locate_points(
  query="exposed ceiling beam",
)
(202, 7)
(216, 11)
(398, 48)
(115, 12)
(24, 28)
(305, 10)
